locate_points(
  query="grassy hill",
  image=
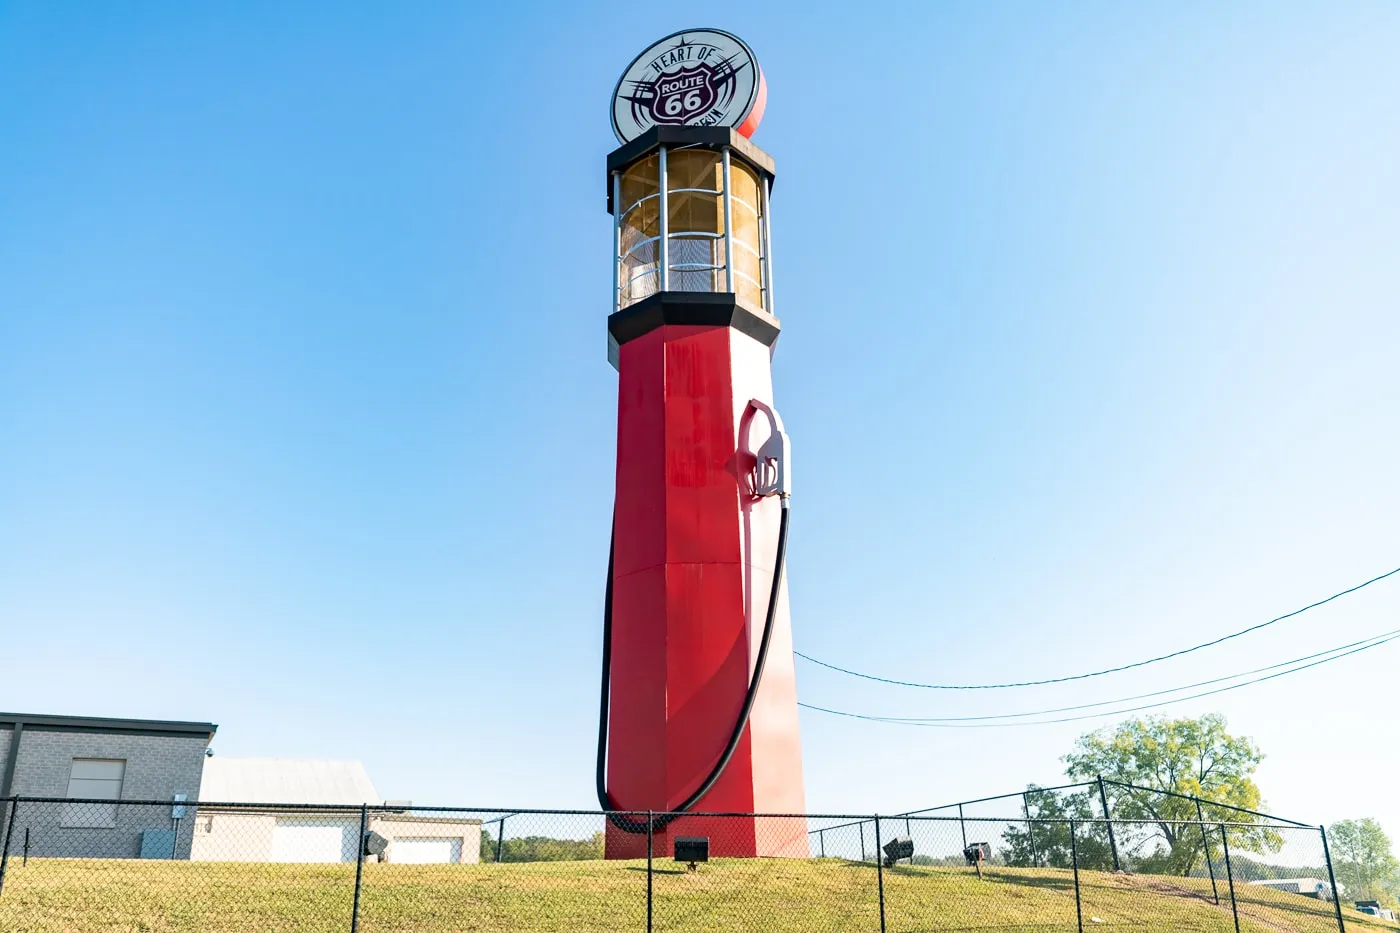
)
(758, 895)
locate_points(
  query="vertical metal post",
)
(1205, 847)
(5, 848)
(767, 249)
(907, 831)
(1332, 880)
(963, 824)
(728, 224)
(1074, 858)
(663, 280)
(359, 868)
(861, 827)
(651, 841)
(500, 836)
(1108, 822)
(26, 847)
(1230, 874)
(821, 839)
(7, 776)
(7, 808)
(617, 241)
(1030, 830)
(880, 872)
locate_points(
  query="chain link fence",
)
(159, 867)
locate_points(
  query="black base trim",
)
(715, 309)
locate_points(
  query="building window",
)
(94, 779)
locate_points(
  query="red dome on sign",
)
(750, 124)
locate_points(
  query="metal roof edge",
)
(107, 724)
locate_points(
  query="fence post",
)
(1030, 830)
(1074, 858)
(880, 872)
(1108, 822)
(821, 838)
(963, 824)
(359, 867)
(1230, 874)
(6, 805)
(5, 847)
(651, 841)
(1205, 847)
(1332, 879)
(500, 836)
(861, 827)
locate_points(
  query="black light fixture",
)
(898, 848)
(976, 854)
(692, 849)
(375, 844)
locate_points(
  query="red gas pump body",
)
(692, 575)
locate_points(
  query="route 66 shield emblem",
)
(682, 96)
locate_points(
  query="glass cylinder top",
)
(704, 231)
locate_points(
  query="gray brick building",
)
(100, 760)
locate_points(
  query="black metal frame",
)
(713, 138)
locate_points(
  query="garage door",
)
(296, 839)
(425, 850)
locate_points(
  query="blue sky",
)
(306, 425)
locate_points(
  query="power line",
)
(955, 724)
(1111, 670)
(1144, 696)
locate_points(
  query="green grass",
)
(758, 895)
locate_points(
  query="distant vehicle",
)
(1375, 909)
(1307, 887)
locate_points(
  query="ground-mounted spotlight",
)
(692, 850)
(375, 844)
(898, 848)
(976, 854)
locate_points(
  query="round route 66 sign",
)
(696, 77)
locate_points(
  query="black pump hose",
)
(662, 820)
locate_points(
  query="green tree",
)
(1366, 868)
(541, 848)
(1191, 757)
(1048, 845)
(488, 846)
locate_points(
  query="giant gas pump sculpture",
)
(699, 703)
